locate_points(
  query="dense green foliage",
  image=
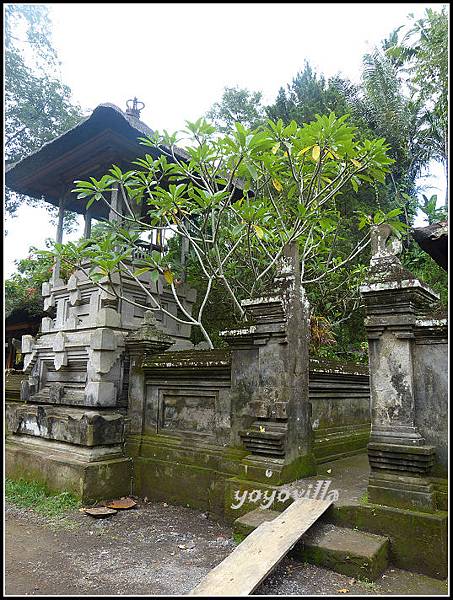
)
(23, 288)
(422, 54)
(402, 98)
(238, 201)
(237, 106)
(38, 106)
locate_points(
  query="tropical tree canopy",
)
(38, 106)
(236, 202)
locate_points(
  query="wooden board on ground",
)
(245, 568)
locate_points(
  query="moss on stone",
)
(412, 534)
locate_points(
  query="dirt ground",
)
(155, 549)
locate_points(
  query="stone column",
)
(399, 457)
(141, 343)
(58, 238)
(269, 379)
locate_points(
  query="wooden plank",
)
(245, 568)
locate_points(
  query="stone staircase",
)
(346, 551)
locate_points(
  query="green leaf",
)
(393, 213)
(141, 271)
(154, 275)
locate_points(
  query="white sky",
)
(177, 58)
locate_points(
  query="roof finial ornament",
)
(136, 107)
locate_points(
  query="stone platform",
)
(346, 551)
(412, 534)
(89, 473)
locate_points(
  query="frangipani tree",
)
(233, 204)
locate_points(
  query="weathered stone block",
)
(75, 298)
(59, 342)
(56, 392)
(49, 302)
(353, 553)
(108, 317)
(28, 342)
(72, 425)
(73, 282)
(46, 325)
(103, 339)
(46, 288)
(60, 468)
(412, 534)
(100, 393)
(402, 491)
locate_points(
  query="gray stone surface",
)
(78, 364)
(270, 371)
(405, 394)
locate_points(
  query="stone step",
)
(347, 551)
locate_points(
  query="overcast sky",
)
(177, 58)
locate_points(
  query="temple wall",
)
(340, 409)
(431, 390)
(186, 448)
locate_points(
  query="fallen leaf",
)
(343, 591)
(100, 512)
(329, 470)
(351, 581)
(122, 504)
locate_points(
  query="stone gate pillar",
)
(269, 381)
(399, 456)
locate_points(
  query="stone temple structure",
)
(116, 399)
(71, 425)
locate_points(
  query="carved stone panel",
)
(188, 411)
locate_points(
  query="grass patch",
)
(238, 537)
(371, 585)
(364, 498)
(31, 494)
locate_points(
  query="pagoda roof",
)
(108, 136)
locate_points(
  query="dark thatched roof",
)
(433, 239)
(108, 136)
